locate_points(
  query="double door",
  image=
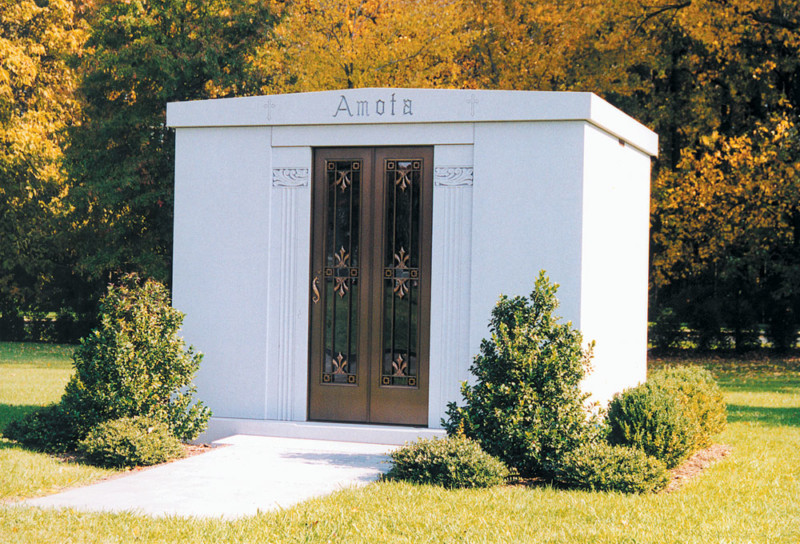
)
(370, 290)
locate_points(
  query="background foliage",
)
(86, 161)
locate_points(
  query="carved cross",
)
(270, 105)
(472, 101)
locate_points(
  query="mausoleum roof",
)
(407, 106)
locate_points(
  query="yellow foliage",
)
(735, 195)
(37, 104)
(331, 44)
(36, 87)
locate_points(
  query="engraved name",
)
(364, 108)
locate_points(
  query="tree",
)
(730, 221)
(333, 44)
(36, 107)
(725, 198)
(720, 83)
(551, 45)
(140, 55)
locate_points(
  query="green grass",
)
(33, 375)
(36, 355)
(751, 496)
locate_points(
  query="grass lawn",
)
(753, 495)
(34, 375)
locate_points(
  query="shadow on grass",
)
(11, 412)
(772, 384)
(773, 417)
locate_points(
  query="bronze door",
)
(370, 289)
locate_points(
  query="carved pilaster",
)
(450, 303)
(288, 317)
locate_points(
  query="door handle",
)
(315, 289)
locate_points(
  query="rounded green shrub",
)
(650, 418)
(700, 398)
(599, 466)
(130, 442)
(135, 364)
(452, 462)
(526, 406)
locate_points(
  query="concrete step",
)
(221, 427)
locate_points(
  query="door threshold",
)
(221, 427)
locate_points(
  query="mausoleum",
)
(338, 253)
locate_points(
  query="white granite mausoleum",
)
(292, 264)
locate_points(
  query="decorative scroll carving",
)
(290, 177)
(452, 176)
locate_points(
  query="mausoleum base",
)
(221, 427)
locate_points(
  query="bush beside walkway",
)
(750, 496)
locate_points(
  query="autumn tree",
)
(36, 107)
(548, 45)
(726, 200)
(719, 82)
(733, 254)
(334, 44)
(140, 55)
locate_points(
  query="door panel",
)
(337, 378)
(370, 285)
(399, 386)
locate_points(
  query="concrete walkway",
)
(250, 474)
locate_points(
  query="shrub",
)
(135, 364)
(452, 462)
(650, 418)
(526, 407)
(699, 397)
(51, 429)
(129, 442)
(599, 466)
